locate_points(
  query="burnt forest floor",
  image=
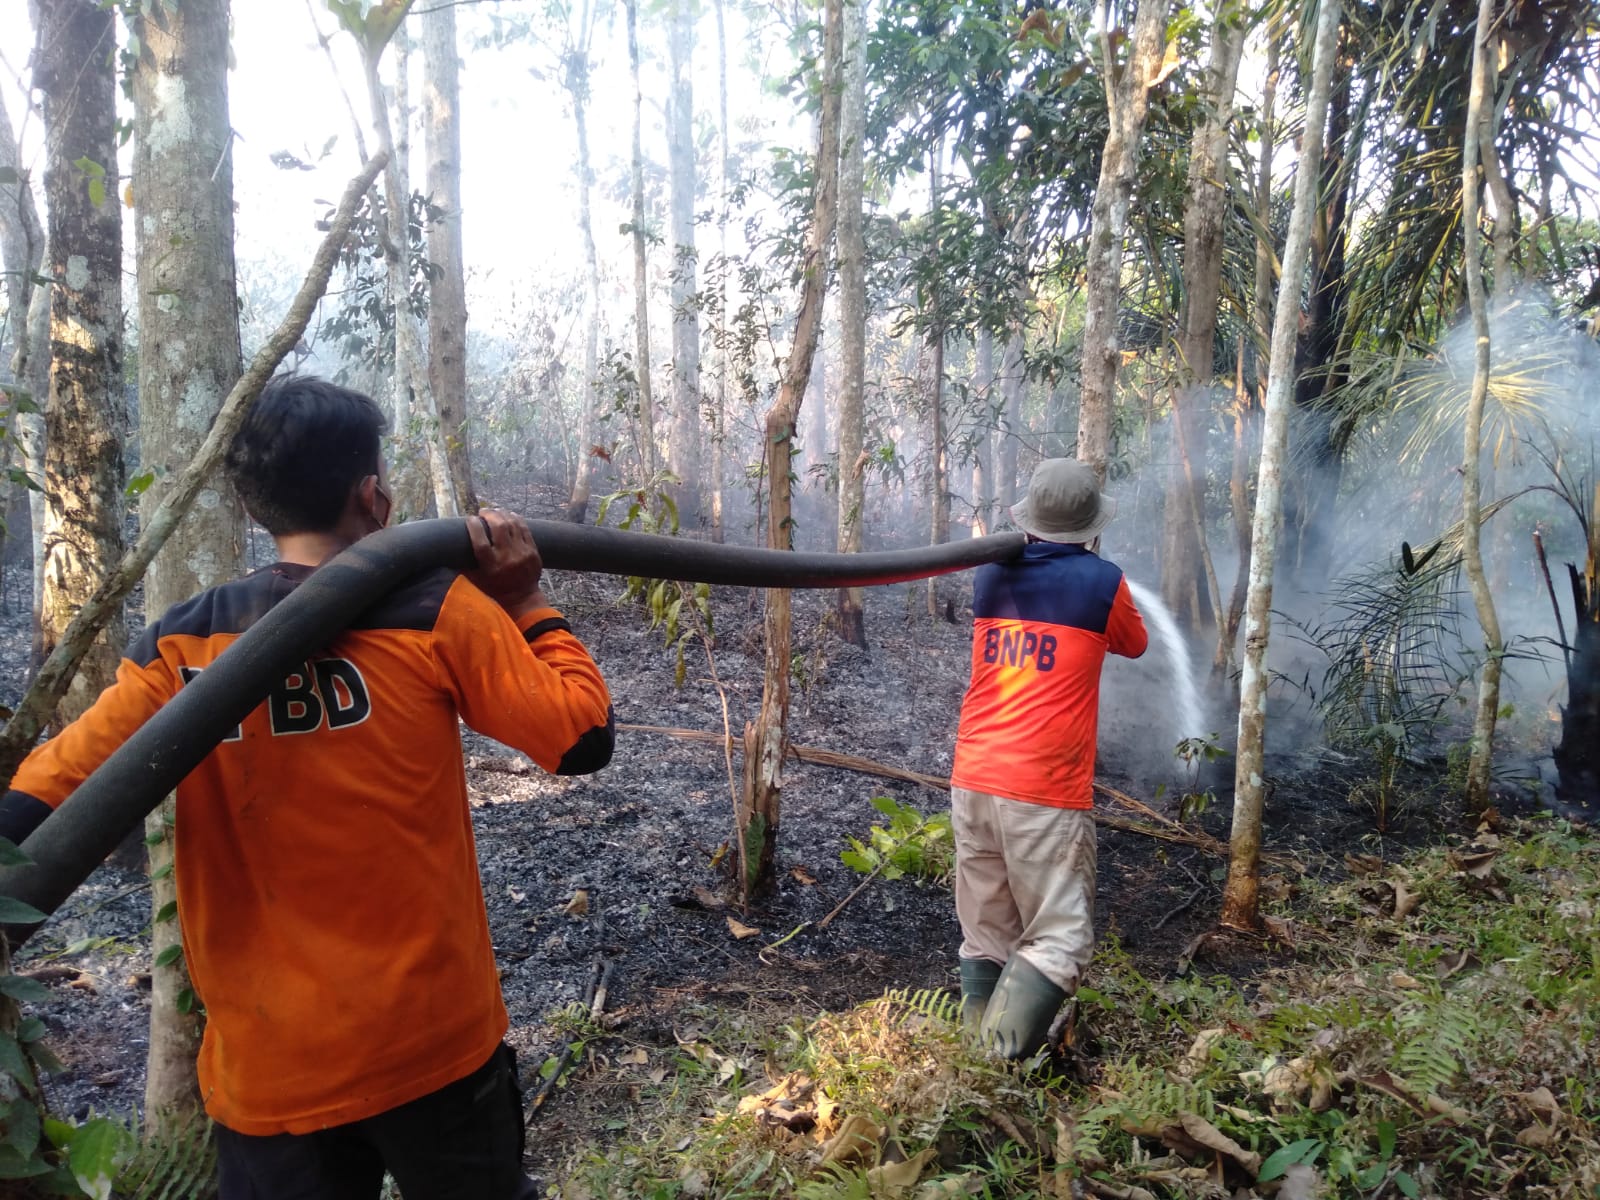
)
(640, 839)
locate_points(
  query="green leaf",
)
(155, 838)
(18, 475)
(169, 956)
(30, 1029)
(14, 1063)
(1407, 1185)
(24, 990)
(22, 1126)
(59, 1133)
(186, 1001)
(99, 1151)
(21, 1166)
(11, 854)
(45, 1059)
(15, 912)
(161, 872)
(140, 483)
(1386, 1136)
(886, 805)
(1281, 1159)
(167, 911)
(1371, 1176)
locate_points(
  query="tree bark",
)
(1013, 386)
(766, 741)
(51, 683)
(85, 415)
(576, 81)
(852, 310)
(189, 326)
(720, 415)
(938, 462)
(641, 278)
(447, 291)
(1479, 117)
(1241, 892)
(1127, 97)
(1184, 545)
(684, 443)
(22, 249)
(983, 460)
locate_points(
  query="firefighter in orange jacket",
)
(332, 915)
(1022, 784)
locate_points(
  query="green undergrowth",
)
(1429, 1031)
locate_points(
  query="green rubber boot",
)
(1020, 1011)
(978, 977)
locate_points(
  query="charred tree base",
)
(1578, 754)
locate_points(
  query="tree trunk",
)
(577, 84)
(85, 416)
(1184, 544)
(938, 462)
(641, 280)
(852, 310)
(183, 192)
(1240, 907)
(1310, 508)
(22, 249)
(720, 415)
(447, 290)
(766, 741)
(1480, 104)
(413, 402)
(983, 460)
(1127, 96)
(1013, 386)
(684, 443)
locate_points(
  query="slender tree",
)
(85, 418)
(575, 68)
(1184, 546)
(719, 418)
(1127, 97)
(982, 389)
(447, 290)
(684, 439)
(189, 332)
(413, 398)
(1478, 149)
(1240, 908)
(22, 249)
(641, 261)
(852, 308)
(766, 741)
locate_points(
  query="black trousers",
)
(464, 1140)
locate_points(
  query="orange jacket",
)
(332, 916)
(1042, 625)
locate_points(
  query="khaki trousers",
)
(1025, 878)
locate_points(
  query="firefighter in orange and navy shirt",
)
(332, 915)
(1022, 785)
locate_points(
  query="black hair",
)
(303, 446)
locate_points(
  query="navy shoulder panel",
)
(1060, 585)
(235, 606)
(414, 604)
(230, 607)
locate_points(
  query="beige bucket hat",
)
(1064, 503)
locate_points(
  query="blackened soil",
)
(639, 843)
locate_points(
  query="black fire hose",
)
(89, 824)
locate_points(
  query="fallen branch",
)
(55, 676)
(1164, 828)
